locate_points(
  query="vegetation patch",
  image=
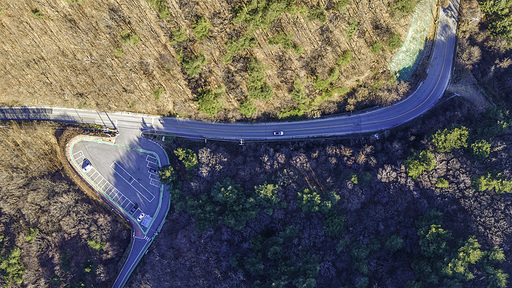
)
(317, 13)
(201, 28)
(247, 108)
(257, 87)
(450, 139)
(481, 149)
(208, 101)
(395, 41)
(192, 64)
(420, 162)
(490, 182)
(285, 41)
(161, 8)
(376, 47)
(95, 244)
(157, 92)
(501, 17)
(402, 8)
(179, 35)
(37, 13)
(128, 37)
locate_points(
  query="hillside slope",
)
(125, 55)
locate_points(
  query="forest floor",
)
(66, 235)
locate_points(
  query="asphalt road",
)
(131, 125)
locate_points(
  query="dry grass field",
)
(71, 53)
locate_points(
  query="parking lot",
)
(127, 177)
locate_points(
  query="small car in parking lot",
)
(152, 170)
(141, 216)
(86, 165)
(134, 208)
(278, 133)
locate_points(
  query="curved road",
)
(131, 125)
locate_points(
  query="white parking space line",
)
(151, 159)
(155, 183)
(139, 188)
(153, 176)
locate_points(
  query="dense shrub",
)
(285, 41)
(317, 13)
(247, 108)
(420, 162)
(157, 92)
(297, 93)
(188, 157)
(208, 101)
(401, 8)
(167, 174)
(352, 28)
(376, 47)
(447, 140)
(233, 46)
(37, 13)
(161, 8)
(345, 58)
(311, 200)
(496, 183)
(193, 64)
(341, 4)
(261, 14)
(201, 28)
(324, 85)
(395, 41)
(481, 149)
(257, 87)
(179, 35)
(128, 37)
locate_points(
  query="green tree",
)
(442, 183)
(208, 102)
(447, 140)
(188, 157)
(257, 87)
(394, 243)
(167, 174)
(310, 200)
(420, 162)
(317, 13)
(161, 8)
(376, 47)
(193, 64)
(128, 37)
(179, 35)
(489, 182)
(481, 149)
(395, 41)
(37, 13)
(334, 223)
(201, 28)
(345, 58)
(95, 244)
(234, 204)
(247, 108)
